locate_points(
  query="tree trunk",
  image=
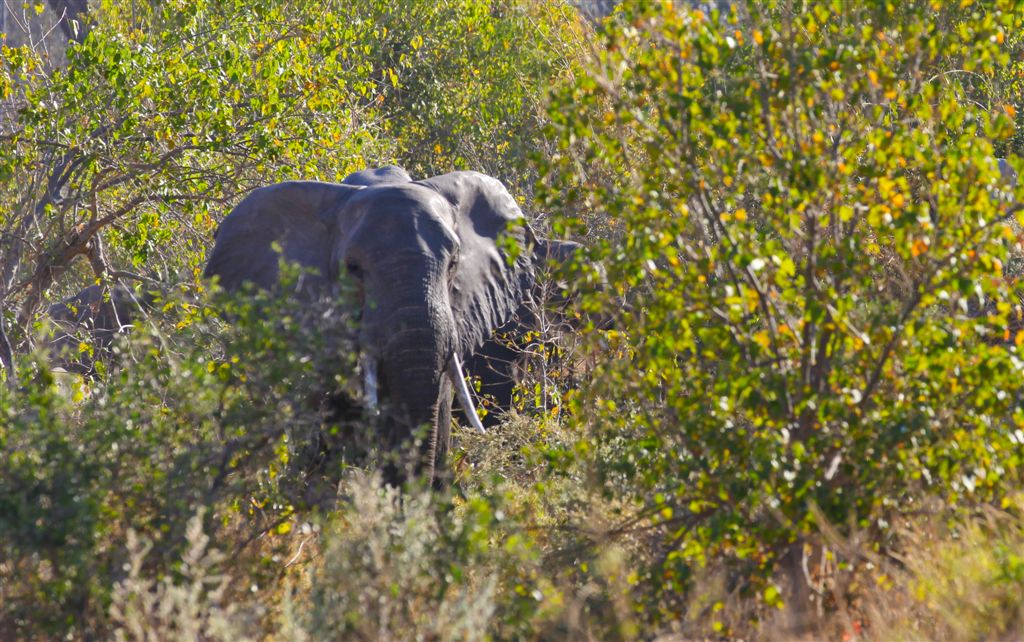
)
(799, 609)
(6, 354)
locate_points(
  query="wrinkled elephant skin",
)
(440, 264)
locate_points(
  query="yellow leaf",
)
(758, 37)
(1010, 110)
(283, 528)
(740, 215)
(762, 339)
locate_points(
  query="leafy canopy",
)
(802, 206)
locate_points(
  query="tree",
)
(156, 124)
(809, 209)
(118, 167)
(142, 137)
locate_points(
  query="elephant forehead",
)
(399, 217)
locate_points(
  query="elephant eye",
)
(353, 270)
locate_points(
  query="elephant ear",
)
(298, 216)
(495, 269)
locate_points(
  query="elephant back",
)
(293, 221)
(378, 176)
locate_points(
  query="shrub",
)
(809, 212)
(396, 567)
(469, 81)
(191, 609)
(234, 417)
(958, 580)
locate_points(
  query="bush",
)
(470, 81)
(958, 580)
(193, 609)
(116, 168)
(396, 567)
(167, 113)
(232, 417)
(809, 214)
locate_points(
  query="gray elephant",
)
(378, 176)
(92, 316)
(497, 366)
(439, 265)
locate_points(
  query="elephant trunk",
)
(411, 368)
(415, 360)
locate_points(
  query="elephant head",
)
(439, 264)
(378, 176)
(96, 314)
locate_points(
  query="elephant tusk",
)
(369, 368)
(462, 392)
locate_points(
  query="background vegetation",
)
(804, 420)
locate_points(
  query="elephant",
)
(92, 317)
(438, 264)
(498, 364)
(1007, 172)
(378, 176)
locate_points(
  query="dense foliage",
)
(164, 114)
(810, 224)
(115, 168)
(794, 406)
